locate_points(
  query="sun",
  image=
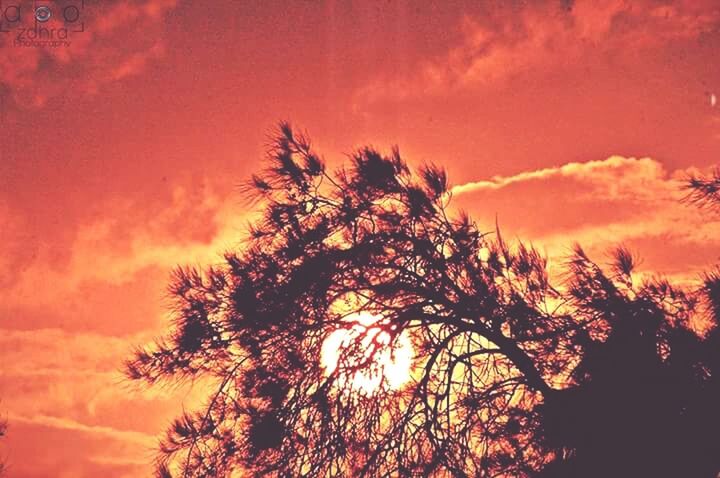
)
(390, 367)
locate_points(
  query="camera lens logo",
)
(45, 25)
(43, 14)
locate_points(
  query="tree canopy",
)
(511, 375)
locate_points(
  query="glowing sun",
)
(390, 365)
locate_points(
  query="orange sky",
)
(121, 153)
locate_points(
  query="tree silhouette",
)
(705, 191)
(644, 399)
(506, 368)
(3, 430)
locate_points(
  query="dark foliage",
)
(705, 191)
(644, 399)
(510, 376)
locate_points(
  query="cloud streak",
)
(596, 172)
(67, 388)
(601, 204)
(62, 423)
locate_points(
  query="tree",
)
(643, 400)
(705, 191)
(498, 352)
(3, 430)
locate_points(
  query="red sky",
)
(120, 157)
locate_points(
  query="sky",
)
(124, 141)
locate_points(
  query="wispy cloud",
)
(502, 42)
(125, 251)
(617, 168)
(101, 431)
(601, 204)
(70, 449)
(67, 387)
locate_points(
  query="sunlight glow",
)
(390, 368)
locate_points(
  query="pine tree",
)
(506, 368)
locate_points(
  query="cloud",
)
(59, 394)
(507, 41)
(101, 44)
(135, 63)
(16, 245)
(67, 388)
(61, 423)
(68, 324)
(124, 252)
(624, 173)
(36, 445)
(72, 374)
(601, 204)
